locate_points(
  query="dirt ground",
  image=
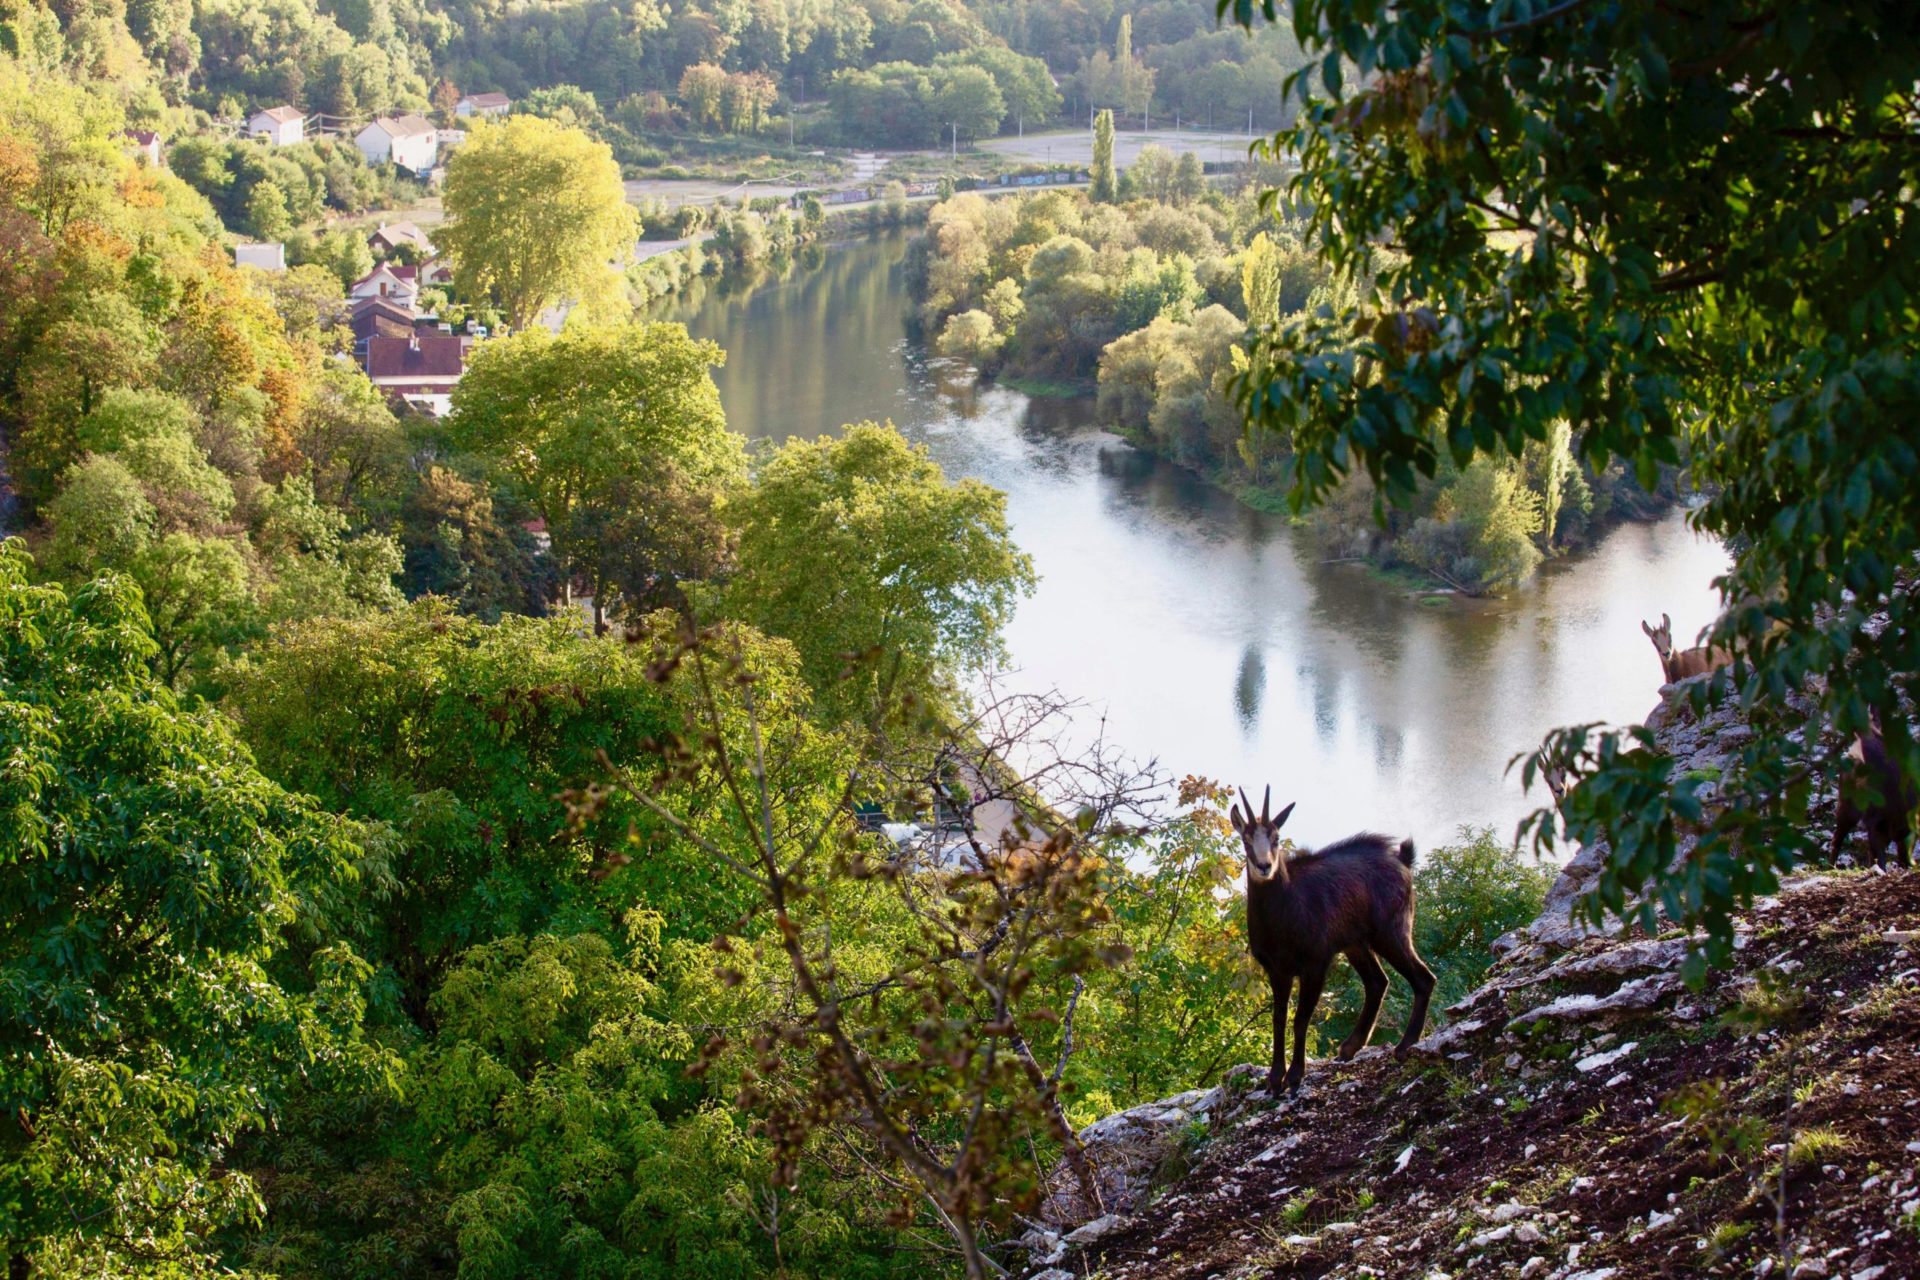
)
(1655, 1142)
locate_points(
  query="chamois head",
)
(1662, 637)
(1260, 835)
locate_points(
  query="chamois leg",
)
(1406, 961)
(1844, 818)
(1374, 979)
(1282, 984)
(1312, 979)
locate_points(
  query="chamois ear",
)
(1233, 816)
(1281, 821)
(1644, 627)
(1666, 623)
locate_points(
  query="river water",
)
(1210, 637)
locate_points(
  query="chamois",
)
(1354, 897)
(1681, 665)
(1876, 798)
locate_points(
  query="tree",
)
(969, 100)
(538, 218)
(154, 1008)
(640, 539)
(581, 419)
(199, 602)
(923, 573)
(1105, 189)
(267, 215)
(703, 91)
(1686, 235)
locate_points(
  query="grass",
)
(1728, 1234)
(1814, 1146)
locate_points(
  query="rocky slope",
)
(1583, 1116)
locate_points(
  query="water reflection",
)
(1248, 686)
(1211, 636)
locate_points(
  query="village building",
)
(271, 256)
(420, 370)
(483, 104)
(145, 143)
(380, 318)
(281, 126)
(390, 236)
(389, 280)
(409, 142)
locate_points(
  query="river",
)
(1209, 636)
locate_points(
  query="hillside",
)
(1583, 1117)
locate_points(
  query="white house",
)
(388, 280)
(408, 141)
(483, 104)
(278, 125)
(267, 257)
(145, 143)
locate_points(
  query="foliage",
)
(925, 572)
(1622, 218)
(538, 218)
(155, 1013)
(1105, 189)
(592, 420)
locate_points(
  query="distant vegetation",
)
(1147, 297)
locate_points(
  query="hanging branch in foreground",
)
(921, 1053)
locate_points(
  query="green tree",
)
(267, 217)
(199, 602)
(581, 418)
(154, 1010)
(1105, 189)
(1621, 218)
(538, 218)
(858, 549)
(968, 99)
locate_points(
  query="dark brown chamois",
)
(1875, 797)
(1353, 898)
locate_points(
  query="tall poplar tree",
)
(1106, 188)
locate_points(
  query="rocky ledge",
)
(1583, 1116)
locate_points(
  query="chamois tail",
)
(1406, 853)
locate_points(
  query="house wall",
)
(417, 153)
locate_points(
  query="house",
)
(146, 144)
(267, 257)
(437, 274)
(483, 104)
(420, 370)
(390, 236)
(378, 317)
(408, 141)
(281, 126)
(389, 280)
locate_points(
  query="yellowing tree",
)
(539, 217)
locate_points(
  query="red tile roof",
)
(418, 357)
(284, 115)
